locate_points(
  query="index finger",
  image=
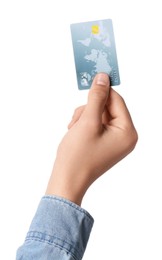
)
(118, 110)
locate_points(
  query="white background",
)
(38, 93)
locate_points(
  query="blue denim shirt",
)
(60, 230)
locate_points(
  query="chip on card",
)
(94, 51)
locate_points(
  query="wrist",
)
(66, 184)
(64, 192)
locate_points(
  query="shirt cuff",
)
(61, 223)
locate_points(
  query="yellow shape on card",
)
(95, 29)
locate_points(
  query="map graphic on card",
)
(94, 51)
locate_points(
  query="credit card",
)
(94, 51)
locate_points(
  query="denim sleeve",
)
(60, 230)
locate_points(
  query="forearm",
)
(60, 230)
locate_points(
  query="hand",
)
(100, 134)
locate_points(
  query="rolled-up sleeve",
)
(60, 230)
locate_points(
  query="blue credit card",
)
(94, 51)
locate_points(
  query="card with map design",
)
(94, 51)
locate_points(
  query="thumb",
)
(97, 98)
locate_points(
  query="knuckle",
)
(131, 138)
(98, 93)
(78, 111)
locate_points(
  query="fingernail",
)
(102, 79)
